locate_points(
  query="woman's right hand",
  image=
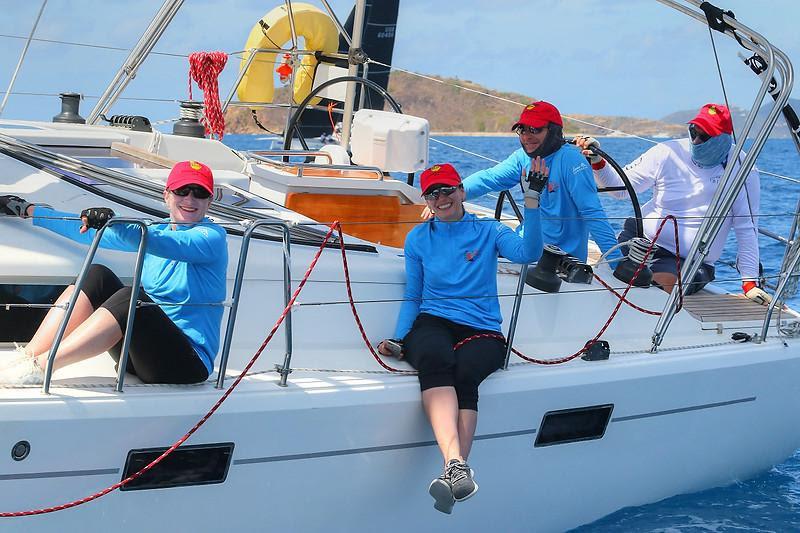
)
(15, 206)
(426, 214)
(390, 347)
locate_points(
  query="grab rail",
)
(292, 153)
(137, 276)
(300, 166)
(237, 289)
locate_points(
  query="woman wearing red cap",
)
(571, 209)
(684, 175)
(451, 295)
(185, 264)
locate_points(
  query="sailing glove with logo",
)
(753, 292)
(14, 205)
(96, 217)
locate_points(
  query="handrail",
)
(292, 153)
(498, 208)
(140, 52)
(512, 325)
(731, 182)
(283, 164)
(237, 289)
(137, 276)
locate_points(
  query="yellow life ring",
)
(273, 31)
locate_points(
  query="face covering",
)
(713, 152)
(552, 142)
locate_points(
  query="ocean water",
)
(769, 502)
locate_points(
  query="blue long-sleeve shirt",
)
(451, 268)
(185, 265)
(570, 208)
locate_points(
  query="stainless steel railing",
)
(732, 182)
(137, 276)
(284, 369)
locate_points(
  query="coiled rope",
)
(204, 69)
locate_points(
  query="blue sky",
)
(607, 57)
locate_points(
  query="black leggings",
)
(429, 348)
(159, 351)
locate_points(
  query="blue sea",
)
(769, 502)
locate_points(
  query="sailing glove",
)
(585, 143)
(96, 217)
(756, 294)
(534, 183)
(14, 206)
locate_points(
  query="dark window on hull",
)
(18, 324)
(573, 425)
(202, 464)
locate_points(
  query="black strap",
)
(714, 18)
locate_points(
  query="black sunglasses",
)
(522, 129)
(436, 193)
(697, 133)
(197, 191)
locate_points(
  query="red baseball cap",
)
(443, 174)
(190, 173)
(713, 119)
(539, 114)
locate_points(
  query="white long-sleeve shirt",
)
(684, 190)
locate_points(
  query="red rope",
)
(331, 105)
(204, 68)
(355, 312)
(616, 308)
(678, 269)
(205, 418)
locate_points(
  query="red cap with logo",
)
(713, 119)
(190, 173)
(443, 174)
(539, 114)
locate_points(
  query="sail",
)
(380, 22)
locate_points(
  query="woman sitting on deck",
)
(450, 296)
(185, 265)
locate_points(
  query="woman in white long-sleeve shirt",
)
(684, 175)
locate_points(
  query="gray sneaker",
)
(459, 475)
(442, 493)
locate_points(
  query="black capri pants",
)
(428, 347)
(159, 351)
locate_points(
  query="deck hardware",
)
(200, 464)
(70, 102)
(20, 450)
(573, 425)
(599, 350)
(543, 276)
(741, 336)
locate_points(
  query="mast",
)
(354, 55)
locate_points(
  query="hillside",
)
(452, 109)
